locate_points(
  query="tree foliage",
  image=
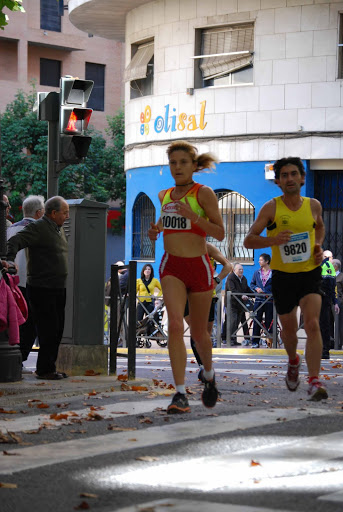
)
(24, 158)
(12, 5)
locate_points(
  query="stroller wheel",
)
(162, 343)
(139, 343)
(148, 344)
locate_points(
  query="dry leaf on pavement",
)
(146, 458)
(8, 485)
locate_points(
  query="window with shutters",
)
(224, 55)
(140, 71)
(50, 15)
(96, 72)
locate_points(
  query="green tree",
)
(24, 158)
(12, 5)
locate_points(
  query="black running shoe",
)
(179, 404)
(210, 394)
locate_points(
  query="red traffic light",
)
(75, 120)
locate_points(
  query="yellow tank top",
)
(297, 254)
(175, 223)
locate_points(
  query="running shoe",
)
(316, 391)
(201, 375)
(179, 404)
(210, 393)
(292, 376)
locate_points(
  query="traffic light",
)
(74, 119)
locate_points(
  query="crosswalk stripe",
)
(114, 410)
(45, 455)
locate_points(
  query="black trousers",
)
(47, 305)
(27, 330)
(238, 317)
(324, 322)
(140, 312)
(267, 309)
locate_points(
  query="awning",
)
(223, 41)
(138, 67)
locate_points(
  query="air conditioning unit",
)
(269, 173)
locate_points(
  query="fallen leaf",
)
(146, 458)
(146, 420)
(122, 377)
(125, 387)
(91, 373)
(96, 408)
(254, 463)
(88, 495)
(8, 486)
(63, 406)
(3, 411)
(93, 393)
(40, 384)
(10, 453)
(120, 429)
(83, 506)
(15, 437)
(78, 431)
(139, 388)
(43, 406)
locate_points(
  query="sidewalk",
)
(30, 388)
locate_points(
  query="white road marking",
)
(45, 455)
(114, 411)
(193, 506)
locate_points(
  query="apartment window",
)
(340, 47)
(225, 56)
(50, 72)
(143, 213)
(50, 14)
(96, 72)
(238, 215)
(140, 71)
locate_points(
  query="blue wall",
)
(246, 178)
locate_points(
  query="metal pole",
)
(131, 344)
(52, 176)
(275, 340)
(114, 297)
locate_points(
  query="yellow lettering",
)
(181, 125)
(192, 124)
(202, 115)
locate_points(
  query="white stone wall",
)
(295, 85)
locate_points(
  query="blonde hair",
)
(203, 161)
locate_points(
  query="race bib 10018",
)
(297, 250)
(173, 220)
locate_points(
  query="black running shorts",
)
(288, 288)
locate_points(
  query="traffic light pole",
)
(52, 175)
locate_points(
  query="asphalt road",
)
(260, 449)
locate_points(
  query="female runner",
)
(189, 212)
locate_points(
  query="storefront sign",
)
(171, 121)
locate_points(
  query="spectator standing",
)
(261, 283)
(237, 283)
(329, 299)
(47, 268)
(295, 232)
(33, 209)
(145, 290)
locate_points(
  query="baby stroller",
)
(150, 328)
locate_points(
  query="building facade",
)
(248, 80)
(41, 45)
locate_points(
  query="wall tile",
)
(299, 44)
(297, 96)
(312, 69)
(286, 71)
(287, 19)
(272, 97)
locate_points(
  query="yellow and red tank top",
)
(172, 221)
(297, 254)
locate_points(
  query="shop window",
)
(96, 72)
(224, 55)
(50, 72)
(140, 71)
(143, 213)
(238, 215)
(50, 15)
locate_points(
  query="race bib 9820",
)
(298, 249)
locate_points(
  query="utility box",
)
(82, 345)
